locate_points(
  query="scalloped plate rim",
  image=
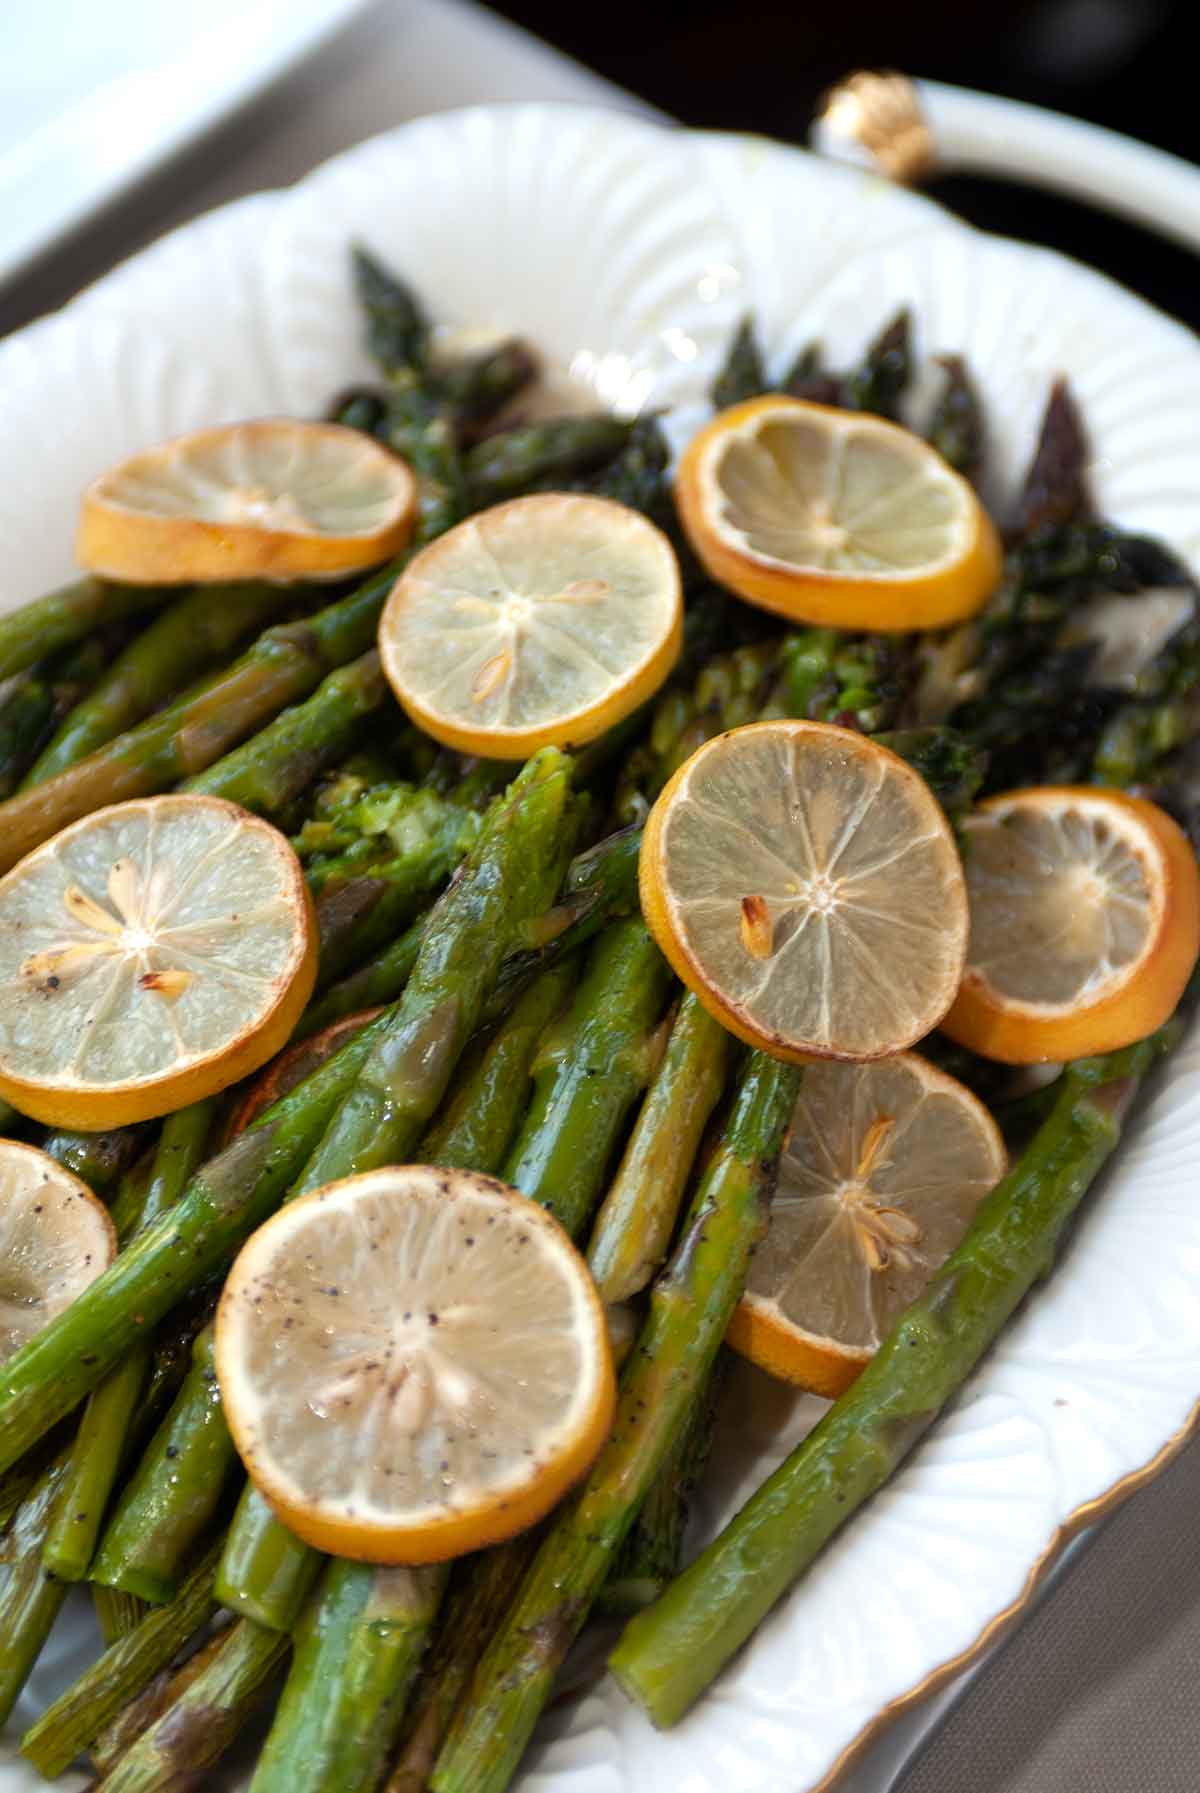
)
(124, 282)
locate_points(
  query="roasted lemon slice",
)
(804, 882)
(1085, 924)
(414, 1363)
(835, 517)
(884, 1168)
(537, 623)
(55, 1238)
(150, 954)
(275, 499)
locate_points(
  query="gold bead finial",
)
(876, 116)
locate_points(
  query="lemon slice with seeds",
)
(1085, 924)
(275, 499)
(804, 882)
(541, 622)
(884, 1168)
(55, 1238)
(150, 954)
(414, 1363)
(835, 517)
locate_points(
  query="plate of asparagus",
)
(749, 1578)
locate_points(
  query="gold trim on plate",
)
(1086, 1514)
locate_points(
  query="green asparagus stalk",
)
(397, 328)
(634, 1226)
(956, 428)
(599, 885)
(668, 1655)
(97, 1159)
(419, 425)
(637, 473)
(380, 980)
(147, 1707)
(26, 718)
(214, 1705)
(128, 1666)
(477, 387)
(742, 375)
(652, 1554)
(690, 1307)
(510, 876)
(267, 1572)
(199, 630)
(10, 1121)
(68, 615)
(477, 1603)
(476, 1123)
(117, 1614)
(558, 448)
(589, 1071)
(285, 663)
(879, 383)
(268, 771)
(175, 1491)
(358, 910)
(1056, 491)
(358, 1647)
(29, 1598)
(103, 1441)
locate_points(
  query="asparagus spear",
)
(380, 980)
(1056, 491)
(419, 425)
(879, 382)
(117, 1614)
(26, 718)
(589, 1070)
(68, 615)
(689, 1309)
(637, 473)
(558, 448)
(29, 1598)
(198, 1727)
(272, 768)
(808, 378)
(742, 374)
(97, 1159)
(956, 428)
(174, 1492)
(80, 1713)
(148, 1706)
(102, 1442)
(475, 1124)
(475, 388)
(507, 880)
(668, 1655)
(284, 663)
(634, 1226)
(358, 1648)
(397, 328)
(10, 1121)
(652, 1553)
(198, 630)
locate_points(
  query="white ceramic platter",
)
(628, 252)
